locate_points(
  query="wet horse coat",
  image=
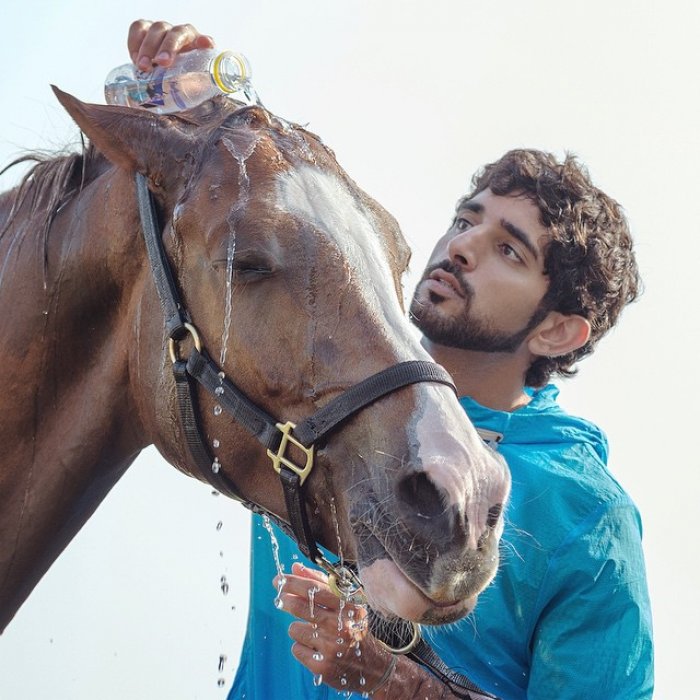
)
(293, 274)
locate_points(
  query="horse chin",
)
(392, 594)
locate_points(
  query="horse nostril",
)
(420, 493)
(493, 515)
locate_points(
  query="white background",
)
(413, 97)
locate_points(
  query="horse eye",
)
(248, 269)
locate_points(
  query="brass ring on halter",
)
(343, 582)
(333, 585)
(172, 343)
(405, 649)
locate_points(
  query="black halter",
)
(274, 435)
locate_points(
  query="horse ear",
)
(132, 139)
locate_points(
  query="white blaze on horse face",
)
(452, 454)
(324, 201)
(457, 462)
(442, 441)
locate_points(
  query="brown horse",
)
(292, 276)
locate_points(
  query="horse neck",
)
(67, 418)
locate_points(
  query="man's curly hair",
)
(589, 258)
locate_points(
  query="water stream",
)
(241, 147)
(281, 579)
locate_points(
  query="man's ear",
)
(559, 334)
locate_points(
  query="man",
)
(535, 268)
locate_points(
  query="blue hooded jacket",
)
(568, 614)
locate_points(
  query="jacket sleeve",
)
(593, 635)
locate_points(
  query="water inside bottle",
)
(161, 94)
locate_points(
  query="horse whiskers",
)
(387, 454)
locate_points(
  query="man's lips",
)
(444, 283)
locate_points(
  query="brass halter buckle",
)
(278, 458)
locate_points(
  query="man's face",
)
(484, 284)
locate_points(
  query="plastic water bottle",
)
(194, 76)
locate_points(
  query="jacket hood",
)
(540, 422)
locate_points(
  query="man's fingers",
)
(158, 43)
(331, 664)
(178, 39)
(301, 587)
(137, 33)
(150, 44)
(305, 572)
(300, 607)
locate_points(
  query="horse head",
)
(292, 276)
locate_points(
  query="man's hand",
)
(157, 43)
(331, 642)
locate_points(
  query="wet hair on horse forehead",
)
(589, 257)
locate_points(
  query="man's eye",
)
(510, 252)
(461, 224)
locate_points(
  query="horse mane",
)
(48, 185)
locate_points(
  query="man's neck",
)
(494, 380)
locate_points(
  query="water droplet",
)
(221, 376)
(334, 517)
(343, 681)
(341, 607)
(219, 391)
(312, 595)
(224, 585)
(219, 525)
(339, 654)
(317, 656)
(363, 681)
(215, 466)
(340, 640)
(221, 682)
(358, 652)
(217, 410)
(222, 662)
(215, 493)
(279, 603)
(318, 679)
(216, 444)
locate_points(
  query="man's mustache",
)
(456, 272)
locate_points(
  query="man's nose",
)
(464, 249)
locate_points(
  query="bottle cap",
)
(230, 71)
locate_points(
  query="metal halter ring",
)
(344, 583)
(172, 343)
(415, 638)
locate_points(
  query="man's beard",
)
(462, 331)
